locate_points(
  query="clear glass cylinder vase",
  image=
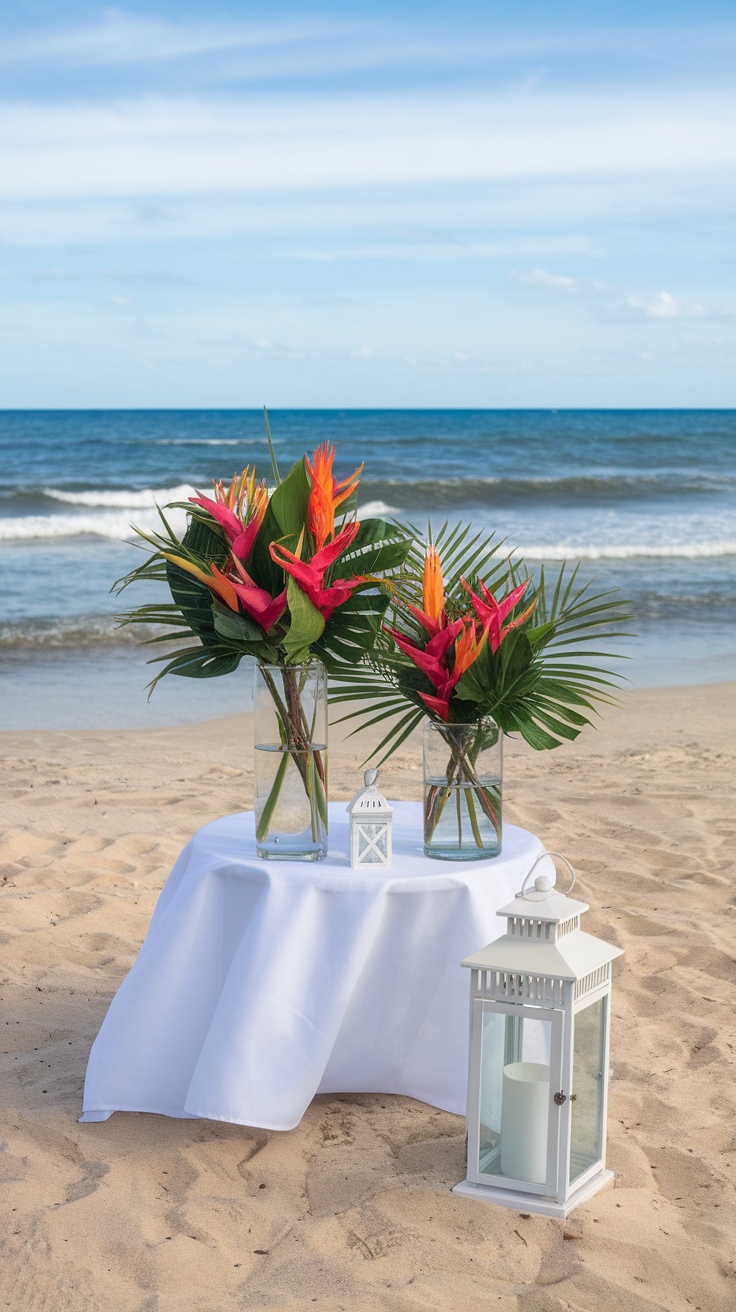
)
(290, 733)
(463, 774)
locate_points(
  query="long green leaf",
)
(307, 624)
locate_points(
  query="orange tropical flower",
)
(240, 490)
(468, 647)
(326, 494)
(216, 580)
(433, 587)
(434, 616)
(259, 504)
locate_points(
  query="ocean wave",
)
(127, 498)
(69, 632)
(489, 490)
(427, 493)
(376, 509)
(115, 524)
(628, 551)
(102, 524)
(202, 441)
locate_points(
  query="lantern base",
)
(533, 1202)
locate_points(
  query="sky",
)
(354, 205)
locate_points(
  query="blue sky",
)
(350, 205)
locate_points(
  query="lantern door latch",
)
(562, 1097)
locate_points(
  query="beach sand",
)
(353, 1209)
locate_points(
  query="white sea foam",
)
(126, 498)
(200, 441)
(103, 524)
(376, 509)
(629, 551)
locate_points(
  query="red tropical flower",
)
(239, 510)
(492, 613)
(432, 657)
(310, 574)
(256, 602)
(432, 661)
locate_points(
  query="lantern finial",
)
(370, 777)
(543, 885)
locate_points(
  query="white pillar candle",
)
(524, 1114)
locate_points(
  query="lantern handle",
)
(541, 857)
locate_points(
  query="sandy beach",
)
(353, 1209)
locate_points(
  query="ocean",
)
(644, 500)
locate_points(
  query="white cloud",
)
(443, 173)
(660, 307)
(559, 282)
(259, 220)
(664, 307)
(167, 148)
(211, 352)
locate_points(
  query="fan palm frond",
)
(546, 679)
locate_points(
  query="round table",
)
(263, 983)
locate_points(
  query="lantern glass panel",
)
(514, 1097)
(586, 1134)
(372, 843)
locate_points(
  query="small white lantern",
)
(538, 1079)
(370, 825)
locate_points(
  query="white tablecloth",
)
(262, 983)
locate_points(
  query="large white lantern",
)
(539, 1026)
(371, 818)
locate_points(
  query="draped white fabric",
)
(262, 983)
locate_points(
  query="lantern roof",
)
(370, 801)
(573, 959)
(543, 935)
(548, 906)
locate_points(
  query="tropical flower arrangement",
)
(287, 575)
(447, 630)
(474, 645)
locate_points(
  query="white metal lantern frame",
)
(542, 989)
(371, 820)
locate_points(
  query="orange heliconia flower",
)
(468, 647)
(215, 579)
(258, 505)
(240, 490)
(326, 494)
(433, 588)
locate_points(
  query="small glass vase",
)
(290, 732)
(463, 772)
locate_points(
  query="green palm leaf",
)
(547, 677)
